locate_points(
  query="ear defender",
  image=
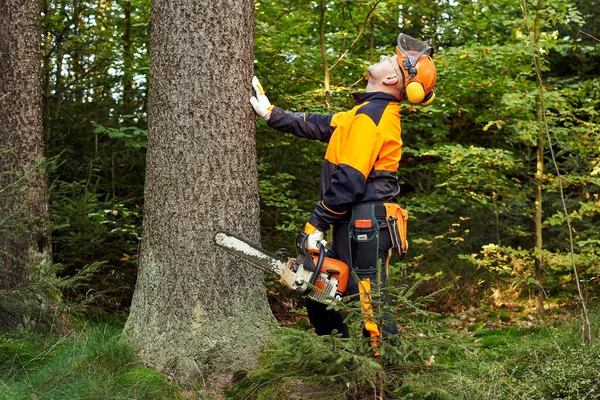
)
(420, 75)
(415, 92)
(429, 98)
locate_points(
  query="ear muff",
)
(415, 92)
(429, 98)
(420, 80)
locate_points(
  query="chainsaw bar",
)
(258, 258)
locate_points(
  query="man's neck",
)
(382, 88)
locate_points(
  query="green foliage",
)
(132, 136)
(444, 358)
(474, 175)
(95, 74)
(299, 354)
(94, 238)
(347, 367)
(277, 197)
(93, 363)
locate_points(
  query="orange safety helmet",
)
(419, 71)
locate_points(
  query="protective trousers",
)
(363, 242)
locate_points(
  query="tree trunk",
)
(539, 174)
(198, 315)
(326, 70)
(127, 80)
(24, 232)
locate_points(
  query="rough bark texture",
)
(24, 233)
(198, 315)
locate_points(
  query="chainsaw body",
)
(329, 283)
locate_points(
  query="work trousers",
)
(325, 321)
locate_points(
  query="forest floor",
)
(476, 354)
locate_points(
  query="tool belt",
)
(364, 226)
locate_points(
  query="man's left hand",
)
(313, 238)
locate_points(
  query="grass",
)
(538, 362)
(471, 360)
(92, 364)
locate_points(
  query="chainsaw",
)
(321, 278)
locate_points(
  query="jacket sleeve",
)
(358, 152)
(309, 126)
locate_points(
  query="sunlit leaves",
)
(477, 175)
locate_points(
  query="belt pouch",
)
(363, 235)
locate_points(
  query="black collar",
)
(360, 98)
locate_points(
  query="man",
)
(358, 179)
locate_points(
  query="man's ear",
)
(391, 80)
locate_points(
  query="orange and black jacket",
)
(363, 152)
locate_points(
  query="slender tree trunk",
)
(127, 80)
(326, 70)
(496, 217)
(198, 315)
(24, 233)
(539, 176)
(77, 70)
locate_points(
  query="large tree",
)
(198, 315)
(24, 236)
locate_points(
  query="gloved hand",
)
(261, 103)
(313, 238)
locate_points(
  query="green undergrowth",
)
(91, 364)
(435, 358)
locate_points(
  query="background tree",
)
(198, 315)
(24, 227)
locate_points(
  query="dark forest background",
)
(468, 171)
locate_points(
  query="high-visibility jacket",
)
(363, 152)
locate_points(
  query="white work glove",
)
(261, 103)
(313, 239)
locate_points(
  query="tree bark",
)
(198, 315)
(24, 226)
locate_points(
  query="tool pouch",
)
(363, 235)
(397, 221)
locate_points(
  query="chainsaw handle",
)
(315, 275)
(301, 243)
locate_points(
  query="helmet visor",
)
(413, 49)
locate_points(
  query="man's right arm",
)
(309, 126)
